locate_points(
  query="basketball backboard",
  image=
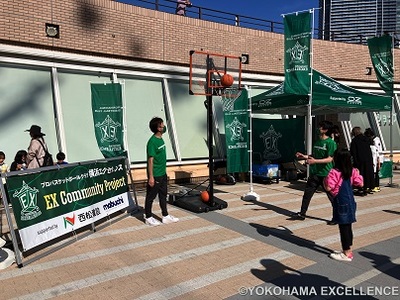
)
(207, 69)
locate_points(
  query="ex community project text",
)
(53, 200)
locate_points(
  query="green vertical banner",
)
(297, 53)
(108, 118)
(236, 118)
(381, 52)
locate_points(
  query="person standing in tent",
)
(362, 159)
(377, 156)
(157, 174)
(321, 162)
(336, 134)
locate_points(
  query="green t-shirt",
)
(323, 149)
(156, 149)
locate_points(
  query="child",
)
(339, 182)
(61, 158)
(3, 165)
(19, 161)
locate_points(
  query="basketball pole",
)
(210, 132)
(210, 149)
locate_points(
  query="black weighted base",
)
(195, 204)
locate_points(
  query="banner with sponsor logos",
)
(55, 202)
(381, 52)
(236, 119)
(297, 53)
(108, 118)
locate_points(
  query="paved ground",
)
(250, 248)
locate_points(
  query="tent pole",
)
(309, 107)
(251, 195)
(395, 99)
(392, 111)
(309, 134)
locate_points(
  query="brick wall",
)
(108, 28)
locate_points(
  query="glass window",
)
(191, 120)
(26, 99)
(76, 106)
(144, 100)
(361, 120)
(384, 124)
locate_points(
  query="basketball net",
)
(228, 97)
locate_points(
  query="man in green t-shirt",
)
(321, 162)
(157, 174)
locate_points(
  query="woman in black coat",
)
(362, 159)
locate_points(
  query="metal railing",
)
(208, 14)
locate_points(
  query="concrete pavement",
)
(248, 250)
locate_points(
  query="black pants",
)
(312, 185)
(346, 236)
(376, 179)
(160, 189)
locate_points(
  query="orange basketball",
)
(226, 80)
(204, 196)
(222, 179)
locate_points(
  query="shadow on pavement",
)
(288, 283)
(287, 235)
(383, 263)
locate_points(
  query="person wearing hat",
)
(36, 149)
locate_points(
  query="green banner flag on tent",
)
(108, 118)
(297, 53)
(236, 118)
(381, 52)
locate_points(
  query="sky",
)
(271, 10)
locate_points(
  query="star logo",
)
(385, 71)
(297, 53)
(108, 129)
(27, 197)
(270, 139)
(236, 130)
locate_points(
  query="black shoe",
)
(298, 216)
(331, 222)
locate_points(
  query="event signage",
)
(297, 53)
(108, 118)
(381, 52)
(276, 141)
(236, 118)
(58, 201)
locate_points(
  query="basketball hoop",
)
(228, 97)
(211, 73)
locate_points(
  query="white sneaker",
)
(152, 222)
(340, 256)
(169, 219)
